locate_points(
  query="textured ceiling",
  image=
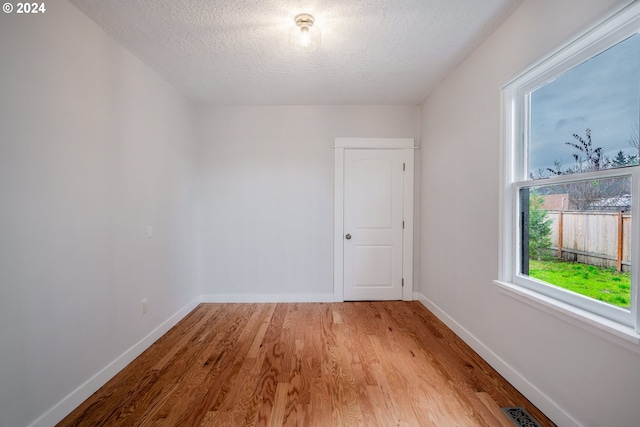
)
(236, 52)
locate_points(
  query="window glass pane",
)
(587, 118)
(577, 236)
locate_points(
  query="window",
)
(570, 214)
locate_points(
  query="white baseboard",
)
(265, 298)
(530, 391)
(79, 395)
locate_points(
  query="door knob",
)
(348, 237)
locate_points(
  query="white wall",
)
(267, 195)
(594, 381)
(93, 147)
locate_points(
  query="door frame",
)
(407, 147)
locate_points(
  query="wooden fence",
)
(595, 238)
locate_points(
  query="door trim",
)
(407, 146)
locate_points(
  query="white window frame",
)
(617, 324)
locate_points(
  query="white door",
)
(373, 222)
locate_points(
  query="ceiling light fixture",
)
(304, 36)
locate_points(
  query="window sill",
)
(622, 335)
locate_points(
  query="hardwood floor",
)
(342, 364)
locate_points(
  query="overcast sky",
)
(602, 94)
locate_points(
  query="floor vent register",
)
(520, 417)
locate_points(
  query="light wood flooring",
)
(340, 364)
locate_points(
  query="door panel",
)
(373, 193)
(373, 204)
(378, 261)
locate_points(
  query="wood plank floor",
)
(343, 364)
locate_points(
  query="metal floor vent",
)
(520, 417)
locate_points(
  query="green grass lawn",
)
(604, 284)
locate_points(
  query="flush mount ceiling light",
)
(304, 36)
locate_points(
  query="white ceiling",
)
(236, 52)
